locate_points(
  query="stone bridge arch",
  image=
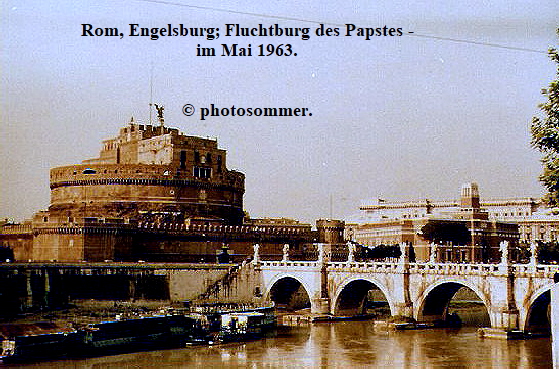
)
(536, 317)
(432, 304)
(360, 285)
(283, 287)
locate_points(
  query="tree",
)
(545, 136)
(381, 252)
(548, 252)
(440, 231)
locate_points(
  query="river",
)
(340, 345)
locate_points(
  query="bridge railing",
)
(449, 268)
(547, 270)
(295, 263)
(371, 266)
(453, 268)
(335, 257)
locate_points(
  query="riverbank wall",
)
(29, 287)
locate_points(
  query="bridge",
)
(516, 296)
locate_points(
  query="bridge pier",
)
(320, 305)
(555, 320)
(504, 318)
(403, 304)
(503, 311)
(404, 309)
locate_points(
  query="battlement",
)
(142, 131)
(147, 144)
(16, 229)
(137, 174)
(97, 226)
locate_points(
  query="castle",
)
(153, 194)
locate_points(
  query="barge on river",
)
(106, 337)
(142, 333)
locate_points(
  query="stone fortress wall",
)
(117, 190)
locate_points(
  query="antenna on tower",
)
(150, 92)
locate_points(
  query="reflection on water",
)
(342, 345)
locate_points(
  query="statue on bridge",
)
(504, 248)
(534, 253)
(320, 253)
(351, 253)
(433, 254)
(404, 256)
(256, 256)
(285, 252)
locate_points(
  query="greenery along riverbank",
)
(81, 313)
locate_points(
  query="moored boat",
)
(138, 334)
(29, 342)
(246, 325)
(241, 326)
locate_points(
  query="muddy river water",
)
(350, 344)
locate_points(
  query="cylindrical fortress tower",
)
(330, 231)
(148, 172)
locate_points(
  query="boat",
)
(240, 326)
(139, 333)
(136, 334)
(123, 335)
(246, 325)
(40, 341)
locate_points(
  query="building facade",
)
(488, 222)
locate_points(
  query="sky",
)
(400, 118)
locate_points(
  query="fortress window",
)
(89, 171)
(196, 156)
(45, 219)
(202, 172)
(219, 163)
(209, 158)
(183, 159)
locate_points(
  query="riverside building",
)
(489, 221)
